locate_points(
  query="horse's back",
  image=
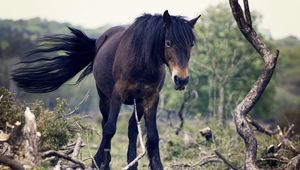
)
(106, 46)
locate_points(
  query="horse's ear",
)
(167, 18)
(193, 21)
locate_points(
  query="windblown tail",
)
(72, 53)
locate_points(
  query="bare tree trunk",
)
(28, 152)
(221, 114)
(243, 108)
(210, 107)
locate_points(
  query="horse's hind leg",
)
(109, 129)
(104, 109)
(132, 135)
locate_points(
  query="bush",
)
(9, 113)
(56, 130)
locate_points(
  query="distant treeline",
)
(222, 69)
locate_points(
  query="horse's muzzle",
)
(180, 82)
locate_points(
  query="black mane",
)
(148, 37)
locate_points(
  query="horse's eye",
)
(168, 43)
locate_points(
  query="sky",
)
(280, 17)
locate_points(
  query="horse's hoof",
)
(157, 166)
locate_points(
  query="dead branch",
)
(13, 164)
(225, 160)
(207, 159)
(76, 149)
(89, 150)
(294, 163)
(243, 108)
(285, 139)
(259, 127)
(86, 96)
(272, 159)
(51, 153)
(1, 97)
(140, 139)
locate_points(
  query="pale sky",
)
(280, 17)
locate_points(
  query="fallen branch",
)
(51, 153)
(140, 139)
(76, 149)
(285, 139)
(273, 159)
(243, 108)
(225, 160)
(294, 163)
(208, 159)
(13, 164)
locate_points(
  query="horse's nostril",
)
(181, 81)
(176, 79)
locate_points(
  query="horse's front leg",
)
(109, 130)
(132, 135)
(150, 106)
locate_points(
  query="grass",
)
(189, 147)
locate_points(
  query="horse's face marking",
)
(177, 60)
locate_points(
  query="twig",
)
(13, 164)
(89, 150)
(1, 97)
(140, 139)
(225, 160)
(259, 127)
(294, 163)
(66, 157)
(206, 160)
(86, 96)
(272, 159)
(285, 139)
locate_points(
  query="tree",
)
(244, 22)
(222, 67)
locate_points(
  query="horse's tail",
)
(46, 73)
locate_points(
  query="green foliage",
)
(223, 67)
(9, 112)
(56, 130)
(54, 127)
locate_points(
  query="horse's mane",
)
(148, 36)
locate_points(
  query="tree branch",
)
(247, 13)
(225, 160)
(51, 153)
(260, 85)
(259, 127)
(294, 163)
(13, 164)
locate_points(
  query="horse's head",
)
(179, 40)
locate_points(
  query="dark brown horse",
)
(128, 62)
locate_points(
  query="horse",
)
(128, 63)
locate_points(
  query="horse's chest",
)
(138, 91)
